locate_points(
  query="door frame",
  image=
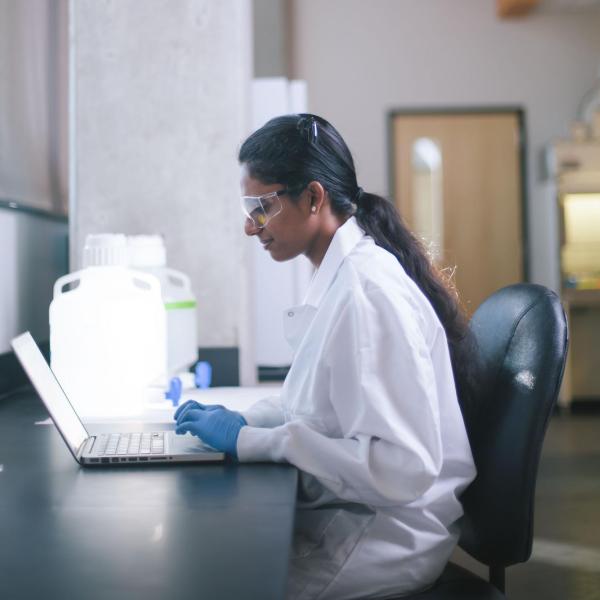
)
(519, 111)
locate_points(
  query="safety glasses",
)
(259, 210)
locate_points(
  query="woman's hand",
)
(213, 424)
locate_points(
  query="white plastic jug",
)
(108, 336)
(147, 253)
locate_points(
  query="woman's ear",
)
(317, 196)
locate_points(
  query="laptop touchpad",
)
(187, 444)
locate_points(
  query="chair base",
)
(457, 583)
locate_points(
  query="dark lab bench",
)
(212, 531)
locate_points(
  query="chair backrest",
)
(521, 333)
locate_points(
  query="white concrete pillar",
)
(159, 106)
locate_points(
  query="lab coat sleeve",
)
(381, 384)
(267, 412)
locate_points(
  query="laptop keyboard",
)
(119, 444)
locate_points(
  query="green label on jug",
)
(178, 305)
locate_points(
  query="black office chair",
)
(521, 332)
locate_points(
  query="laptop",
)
(139, 448)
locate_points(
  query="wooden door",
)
(480, 209)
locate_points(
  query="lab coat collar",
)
(344, 241)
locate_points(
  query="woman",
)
(369, 411)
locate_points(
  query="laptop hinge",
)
(86, 446)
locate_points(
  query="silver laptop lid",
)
(64, 416)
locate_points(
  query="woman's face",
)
(289, 233)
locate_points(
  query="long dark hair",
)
(294, 150)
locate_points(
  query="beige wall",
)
(362, 59)
(270, 43)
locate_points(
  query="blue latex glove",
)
(213, 424)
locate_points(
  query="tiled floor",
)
(565, 564)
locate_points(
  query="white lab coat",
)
(369, 414)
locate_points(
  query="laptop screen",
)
(47, 386)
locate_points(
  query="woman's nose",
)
(250, 228)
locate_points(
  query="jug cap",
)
(105, 249)
(146, 251)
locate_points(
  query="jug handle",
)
(61, 282)
(179, 277)
(152, 281)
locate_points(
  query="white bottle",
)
(148, 253)
(107, 332)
